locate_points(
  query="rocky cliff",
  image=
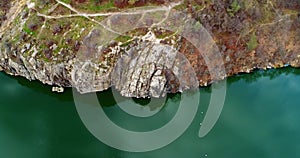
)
(146, 48)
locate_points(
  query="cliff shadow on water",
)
(37, 86)
(107, 98)
(258, 73)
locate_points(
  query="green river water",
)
(260, 119)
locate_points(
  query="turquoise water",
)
(261, 119)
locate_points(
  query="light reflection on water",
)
(260, 119)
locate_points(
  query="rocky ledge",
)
(146, 48)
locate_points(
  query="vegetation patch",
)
(123, 39)
(234, 8)
(252, 43)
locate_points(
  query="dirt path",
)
(167, 9)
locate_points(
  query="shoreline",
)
(39, 86)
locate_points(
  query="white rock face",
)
(145, 70)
